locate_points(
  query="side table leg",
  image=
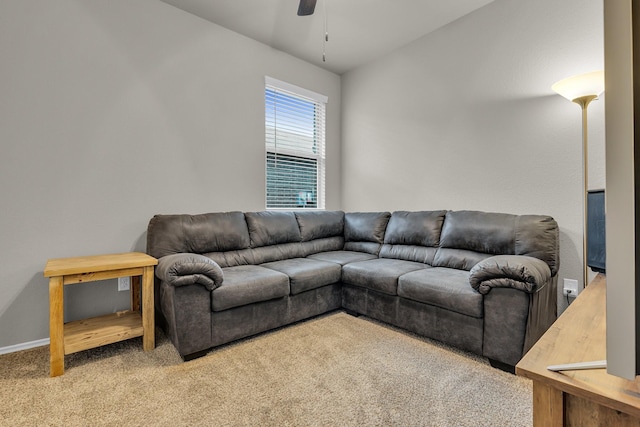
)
(56, 326)
(135, 293)
(148, 322)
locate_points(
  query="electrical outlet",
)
(570, 288)
(124, 283)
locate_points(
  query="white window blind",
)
(295, 146)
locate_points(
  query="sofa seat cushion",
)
(248, 284)
(342, 257)
(306, 274)
(379, 274)
(447, 288)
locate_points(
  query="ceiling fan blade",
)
(306, 7)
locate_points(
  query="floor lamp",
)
(583, 89)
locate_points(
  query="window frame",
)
(320, 102)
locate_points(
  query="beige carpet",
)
(335, 370)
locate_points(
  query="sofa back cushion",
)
(414, 228)
(272, 227)
(210, 232)
(470, 236)
(486, 232)
(364, 231)
(320, 224)
(539, 236)
(413, 236)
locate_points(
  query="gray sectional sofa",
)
(483, 282)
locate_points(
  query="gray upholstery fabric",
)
(453, 328)
(504, 340)
(263, 254)
(247, 320)
(163, 294)
(305, 274)
(520, 272)
(456, 329)
(320, 224)
(376, 305)
(189, 269)
(256, 256)
(421, 254)
(233, 258)
(486, 232)
(542, 312)
(186, 311)
(503, 234)
(539, 236)
(414, 228)
(326, 244)
(277, 252)
(378, 274)
(314, 302)
(247, 284)
(364, 231)
(366, 247)
(342, 257)
(443, 287)
(354, 298)
(211, 232)
(365, 226)
(457, 258)
(272, 227)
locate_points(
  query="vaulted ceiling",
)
(359, 30)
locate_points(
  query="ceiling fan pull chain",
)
(326, 33)
(326, 21)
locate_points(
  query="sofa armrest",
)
(187, 269)
(520, 272)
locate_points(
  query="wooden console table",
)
(71, 337)
(579, 397)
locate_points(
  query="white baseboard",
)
(24, 346)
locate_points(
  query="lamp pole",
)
(584, 102)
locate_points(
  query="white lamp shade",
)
(581, 85)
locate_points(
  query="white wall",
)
(465, 118)
(111, 112)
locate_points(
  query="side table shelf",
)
(79, 335)
(84, 334)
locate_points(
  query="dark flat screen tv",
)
(596, 231)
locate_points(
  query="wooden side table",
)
(79, 335)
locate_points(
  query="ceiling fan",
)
(306, 7)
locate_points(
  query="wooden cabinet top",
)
(579, 335)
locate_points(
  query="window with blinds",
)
(295, 146)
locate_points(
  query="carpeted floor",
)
(335, 370)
